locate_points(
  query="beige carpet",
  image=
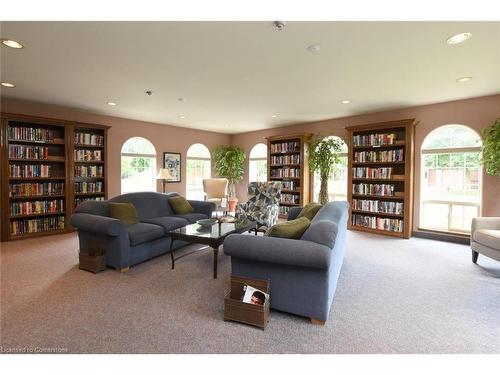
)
(394, 296)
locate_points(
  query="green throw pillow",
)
(125, 212)
(310, 210)
(180, 205)
(289, 229)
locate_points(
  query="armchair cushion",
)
(125, 212)
(289, 229)
(487, 237)
(180, 205)
(143, 232)
(168, 223)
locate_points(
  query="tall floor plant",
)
(491, 148)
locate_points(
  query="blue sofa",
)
(127, 245)
(303, 273)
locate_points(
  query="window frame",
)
(139, 155)
(197, 158)
(256, 159)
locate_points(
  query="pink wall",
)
(476, 113)
(163, 137)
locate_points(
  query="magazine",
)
(254, 296)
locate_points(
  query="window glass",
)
(198, 167)
(138, 166)
(258, 163)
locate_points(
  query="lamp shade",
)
(164, 174)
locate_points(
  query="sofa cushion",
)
(487, 237)
(289, 229)
(149, 204)
(168, 223)
(125, 212)
(143, 232)
(323, 232)
(192, 217)
(180, 205)
(310, 210)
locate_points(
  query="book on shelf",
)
(88, 155)
(379, 223)
(88, 171)
(290, 198)
(376, 206)
(374, 189)
(285, 172)
(26, 226)
(87, 187)
(28, 152)
(284, 147)
(374, 139)
(386, 156)
(36, 207)
(81, 200)
(366, 172)
(24, 133)
(88, 139)
(34, 189)
(30, 170)
(285, 159)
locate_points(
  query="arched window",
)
(258, 163)
(337, 184)
(138, 164)
(197, 168)
(450, 189)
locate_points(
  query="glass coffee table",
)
(212, 236)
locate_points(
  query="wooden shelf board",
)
(89, 194)
(290, 191)
(285, 153)
(14, 237)
(49, 160)
(392, 197)
(357, 163)
(289, 204)
(79, 145)
(284, 165)
(379, 179)
(36, 178)
(56, 142)
(395, 144)
(376, 231)
(16, 217)
(30, 197)
(89, 162)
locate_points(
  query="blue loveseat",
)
(127, 245)
(303, 273)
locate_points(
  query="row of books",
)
(285, 172)
(89, 139)
(18, 227)
(364, 172)
(28, 152)
(36, 207)
(285, 147)
(30, 170)
(379, 156)
(290, 185)
(33, 189)
(23, 133)
(88, 170)
(373, 189)
(283, 210)
(285, 159)
(373, 139)
(290, 198)
(374, 222)
(85, 155)
(81, 200)
(88, 187)
(378, 206)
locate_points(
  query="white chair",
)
(485, 237)
(215, 190)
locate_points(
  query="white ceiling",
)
(234, 75)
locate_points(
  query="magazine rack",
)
(236, 310)
(93, 258)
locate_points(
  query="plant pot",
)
(232, 202)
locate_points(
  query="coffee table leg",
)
(172, 253)
(216, 257)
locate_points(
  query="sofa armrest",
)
(484, 223)
(97, 224)
(294, 212)
(278, 250)
(203, 207)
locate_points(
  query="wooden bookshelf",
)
(288, 162)
(37, 158)
(380, 177)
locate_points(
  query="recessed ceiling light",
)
(7, 84)
(182, 116)
(458, 38)
(346, 101)
(274, 116)
(464, 79)
(12, 43)
(111, 103)
(314, 48)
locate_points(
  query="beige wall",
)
(476, 113)
(163, 137)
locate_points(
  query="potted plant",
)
(230, 164)
(323, 158)
(491, 148)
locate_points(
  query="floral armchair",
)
(262, 205)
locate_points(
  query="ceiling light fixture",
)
(458, 38)
(346, 101)
(7, 84)
(111, 103)
(464, 79)
(182, 116)
(314, 48)
(274, 116)
(12, 43)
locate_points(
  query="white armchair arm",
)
(484, 223)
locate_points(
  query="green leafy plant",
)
(324, 158)
(491, 148)
(230, 163)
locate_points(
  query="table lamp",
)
(164, 174)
